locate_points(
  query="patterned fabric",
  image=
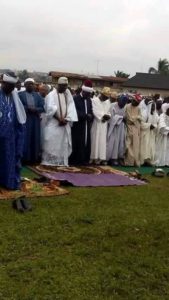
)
(30, 100)
(32, 144)
(11, 143)
(97, 170)
(89, 176)
(31, 188)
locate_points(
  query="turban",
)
(63, 80)
(123, 98)
(106, 91)
(87, 86)
(29, 80)
(137, 98)
(9, 78)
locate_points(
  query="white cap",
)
(63, 80)
(9, 78)
(87, 89)
(29, 80)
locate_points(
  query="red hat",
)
(87, 86)
(88, 83)
(137, 97)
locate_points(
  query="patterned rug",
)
(32, 188)
(97, 170)
(90, 176)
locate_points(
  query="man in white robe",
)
(117, 132)
(145, 108)
(163, 107)
(60, 112)
(153, 119)
(101, 106)
(162, 150)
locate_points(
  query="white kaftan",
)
(99, 129)
(57, 145)
(145, 132)
(153, 119)
(162, 150)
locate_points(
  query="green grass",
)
(142, 170)
(94, 244)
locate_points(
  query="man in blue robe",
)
(81, 136)
(34, 106)
(12, 120)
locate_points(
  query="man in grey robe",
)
(116, 132)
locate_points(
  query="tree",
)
(23, 75)
(162, 67)
(121, 74)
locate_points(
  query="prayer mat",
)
(90, 176)
(32, 188)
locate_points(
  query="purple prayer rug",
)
(88, 176)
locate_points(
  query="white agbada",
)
(153, 119)
(21, 90)
(20, 110)
(145, 132)
(99, 129)
(162, 150)
(57, 145)
(163, 107)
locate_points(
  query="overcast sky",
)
(84, 36)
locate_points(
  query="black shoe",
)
(26, 204)
(16, 204)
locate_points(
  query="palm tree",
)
(121, 74)
(162, 67)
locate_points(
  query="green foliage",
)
(121, 74)
(93, 244)
(162, 67)
(23, 75)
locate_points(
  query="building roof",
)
(149, 81)
(83, 77)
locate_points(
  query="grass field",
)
(94, 244)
